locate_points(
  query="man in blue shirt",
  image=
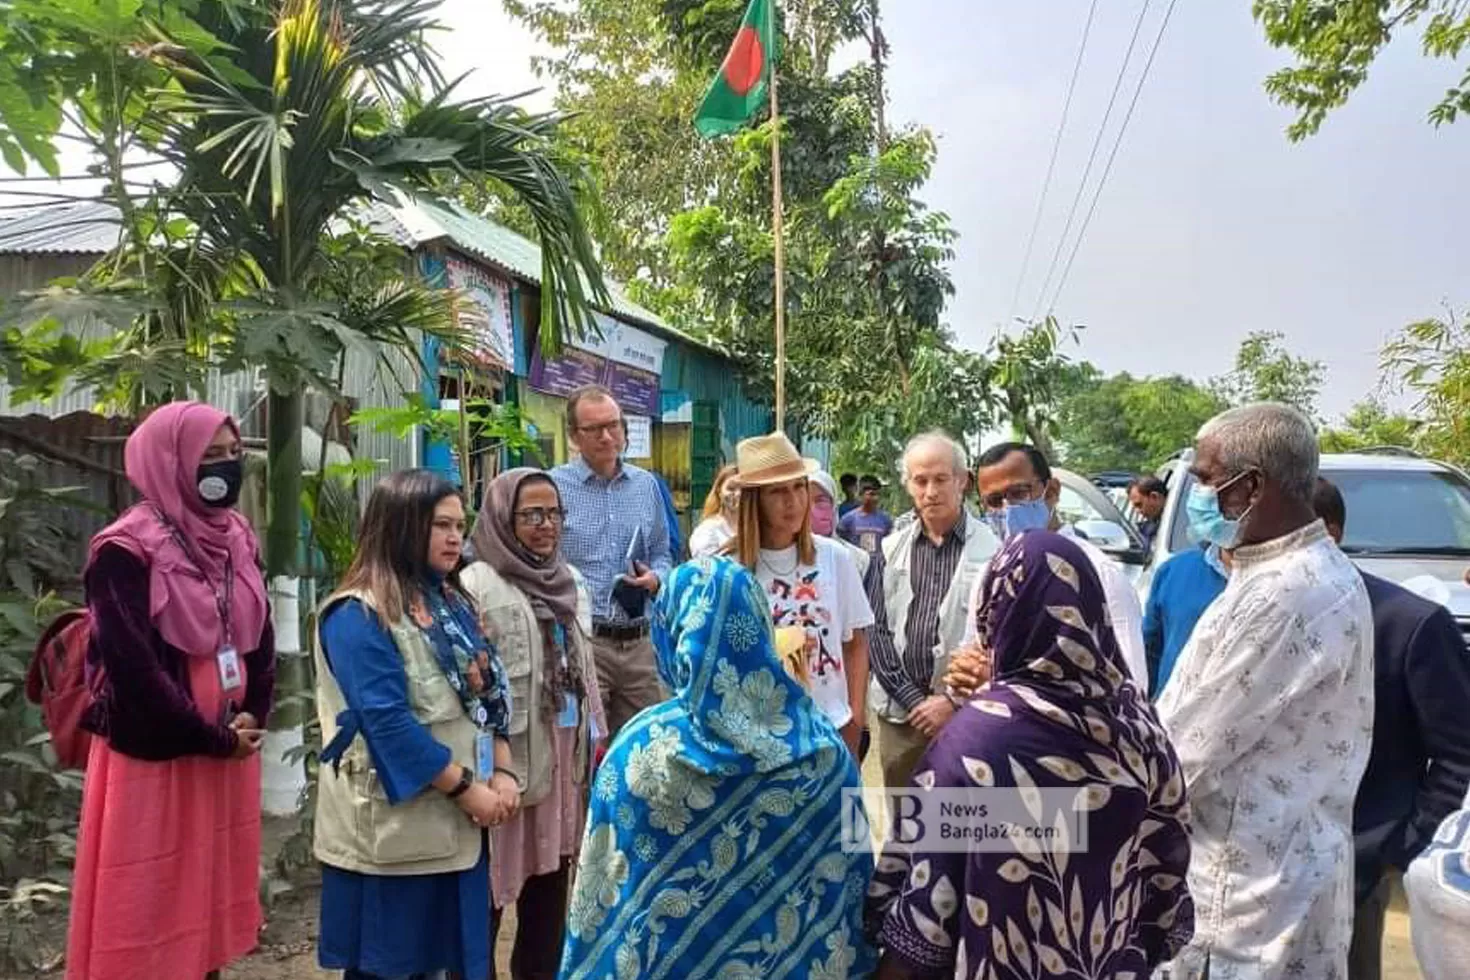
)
(608, 502)
(1182, 589)
(867, 525)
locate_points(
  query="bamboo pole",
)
(778, 230)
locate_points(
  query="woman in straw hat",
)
(810, 582)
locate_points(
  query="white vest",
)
(898, 596)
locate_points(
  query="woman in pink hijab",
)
(182, 657)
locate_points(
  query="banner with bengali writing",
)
(626, 360)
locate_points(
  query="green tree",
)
(688, 221)
(1031, 374)
(1120, 422)
(1265, 371)
(1431, 359)
(287, 116)
(1166, 414)
(283, 118)
(1336, 42)
(1367, 424)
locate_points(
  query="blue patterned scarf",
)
(713, 844)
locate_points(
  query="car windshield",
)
(1404, 511)
(1398, 512)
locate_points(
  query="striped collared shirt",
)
(601, 518)
(908, 676)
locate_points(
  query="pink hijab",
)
(162, 457)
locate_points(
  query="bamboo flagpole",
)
(732, 101)
(778, 230)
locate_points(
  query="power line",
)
(1091, 159)
(1051, 166)
(1112, 155)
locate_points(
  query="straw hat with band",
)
(768, 460)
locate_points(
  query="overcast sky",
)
(1211, 224)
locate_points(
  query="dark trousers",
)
(1365, 957)
(541, 915)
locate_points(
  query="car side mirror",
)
(1110, 538)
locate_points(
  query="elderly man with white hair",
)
(928, 570)
(1271, 711)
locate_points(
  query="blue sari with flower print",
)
(713, 844)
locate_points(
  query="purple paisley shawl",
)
(1059, 713)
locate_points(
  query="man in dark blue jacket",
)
(1420, 763)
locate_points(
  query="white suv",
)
(1408, 520)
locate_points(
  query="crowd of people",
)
(649, 758)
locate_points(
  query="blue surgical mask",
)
(1207, 523)
(1213, 559)
(1030, 516)
(1015, 518)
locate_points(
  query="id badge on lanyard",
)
(227, 658)
(484, 756)
(567, 716)
(231, 677)
(228, 661)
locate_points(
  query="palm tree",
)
(284, 117)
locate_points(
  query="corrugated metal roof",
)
(92, 227)
(83, 228)
(419, 222)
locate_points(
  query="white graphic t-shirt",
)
(827, 600)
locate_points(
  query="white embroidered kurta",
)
(1271, 713)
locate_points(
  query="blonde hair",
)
(714, 503)
(745, 547)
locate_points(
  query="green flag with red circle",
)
(739, 90)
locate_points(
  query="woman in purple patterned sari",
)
(1059, 714)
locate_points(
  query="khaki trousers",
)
(628, 678)
(899, 747)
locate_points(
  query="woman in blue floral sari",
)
(713, 845)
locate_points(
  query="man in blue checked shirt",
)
(608, 501)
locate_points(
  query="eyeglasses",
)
(605, 429)
(537, 516)
(1016, 493)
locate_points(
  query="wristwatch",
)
(466, 780)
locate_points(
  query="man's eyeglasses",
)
(605, 429)
(1016, 493)
(537, 516)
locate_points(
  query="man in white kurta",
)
(1271, 712)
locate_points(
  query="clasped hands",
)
(491, 804)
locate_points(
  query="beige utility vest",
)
(898, 595)
(511, 625)
(357, 829)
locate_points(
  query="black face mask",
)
(219, 483)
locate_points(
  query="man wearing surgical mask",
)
(1019, 494)
(1270, 709)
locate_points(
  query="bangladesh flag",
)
(739, 90)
